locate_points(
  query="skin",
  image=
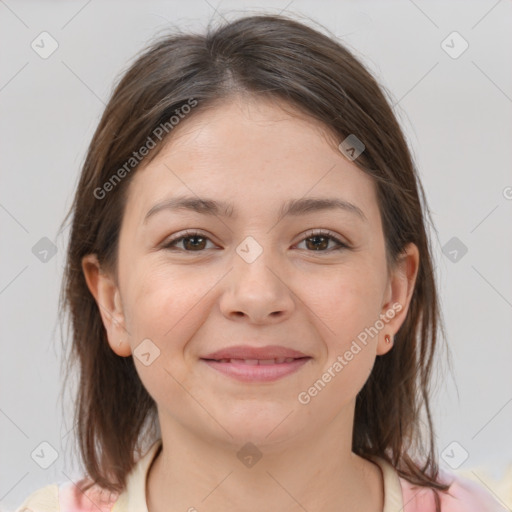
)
(255, 154)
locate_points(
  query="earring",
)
(120, 343)
(387, 337)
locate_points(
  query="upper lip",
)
(248, 352)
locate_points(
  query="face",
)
(313, 281)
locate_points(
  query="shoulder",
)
(464, 495)
(69, 497)
(45, 499)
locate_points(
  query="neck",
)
(194, 473)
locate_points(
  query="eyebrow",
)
(293, 207)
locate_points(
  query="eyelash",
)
(170, 244)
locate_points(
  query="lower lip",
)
(259, 372)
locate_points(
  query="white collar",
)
(133, 498)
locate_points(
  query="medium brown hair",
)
(279, 58)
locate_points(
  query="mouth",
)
(257, 370)
(277, 360)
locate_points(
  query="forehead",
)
(253, 154)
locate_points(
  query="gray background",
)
(456, 113)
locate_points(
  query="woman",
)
(251, 288)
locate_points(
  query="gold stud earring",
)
(387, 337)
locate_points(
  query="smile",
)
(277, 360)
(257, 370)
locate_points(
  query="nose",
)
(257, 290)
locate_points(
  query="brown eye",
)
(191, 242)
(319, 242)
(194, 242)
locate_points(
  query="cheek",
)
(157, 299)
(346, 301)
(167, 306)
(348, 309)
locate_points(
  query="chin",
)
(273, 431)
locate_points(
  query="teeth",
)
(278, 360)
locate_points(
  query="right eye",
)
(193, 239)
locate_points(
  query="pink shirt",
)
(464, 495)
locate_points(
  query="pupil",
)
(187, 241)
(323, 245)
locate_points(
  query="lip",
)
(246, 372)
(258, 368)
(248, 352)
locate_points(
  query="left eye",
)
(320, 240)
(195, 241)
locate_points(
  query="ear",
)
(108, 299)
(398, 294)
